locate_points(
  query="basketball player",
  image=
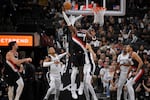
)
(53, 62)
(136, 75)
(124, 63)
(12, 69)
(89, 69)
(78, 53)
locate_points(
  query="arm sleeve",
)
(73, 19)
(66, 18)
(62, 55)
(78, 17)
(47, 64)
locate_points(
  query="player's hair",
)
(78, 25)
(11, 44)
(132, 46)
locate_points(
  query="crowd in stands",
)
(108, 41)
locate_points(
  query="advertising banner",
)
(21, 39)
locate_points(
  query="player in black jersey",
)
(11, 73)
(78, 51)
(136, 75)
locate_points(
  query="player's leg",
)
(73, 84)
(81, 61)
(86, 92)
(51, 89)
(81, 74)
(10, 92)
(19, 89)
(57, 83)
(121, 82)
(91, 89)
(132, 81)
(130, 89)
(87, 81)
(86, 89)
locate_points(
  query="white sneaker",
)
(74, 95)
(73, 91)
(80, 90)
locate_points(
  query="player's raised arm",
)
(71, 28)
(47, 62)
(70, 21)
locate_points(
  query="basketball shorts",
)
(10, 76)
(78, 59)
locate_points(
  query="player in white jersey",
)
(124, 64)
(54, 64)
(89, 69)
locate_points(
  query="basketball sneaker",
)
(80, 90)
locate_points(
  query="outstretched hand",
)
(73, 19)
(28, 59)
(88, 46)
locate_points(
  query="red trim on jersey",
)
(80, 41)
(139, 75)
(14, 65)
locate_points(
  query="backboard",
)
(113, 7)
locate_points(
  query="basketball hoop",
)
(108, 12)
(99, 13)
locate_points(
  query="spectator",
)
(108, 77)
(113, 87)
(146, 87)
(98, 82)
(104, 73)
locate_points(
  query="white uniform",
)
(122, 59)
(88, 77)
(55, 76)
(55, 68)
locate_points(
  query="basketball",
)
(67, 5)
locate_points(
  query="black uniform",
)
(78, 49)
(11, 75)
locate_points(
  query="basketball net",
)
(99, 15)
(91, 9)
